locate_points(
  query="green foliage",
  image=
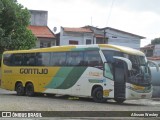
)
(14, 19)
(155, 41)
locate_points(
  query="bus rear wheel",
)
(20, 89)
(97, 95)
(30, 89)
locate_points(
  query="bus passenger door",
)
(120, 67)
(119, 76)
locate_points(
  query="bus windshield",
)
(110, 53)
(137, 60)
(140, 73)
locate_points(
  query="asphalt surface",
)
(9, 101)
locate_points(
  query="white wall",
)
(65, 37)
(38, 17)
(37, 43)
(125, 42)
(120, 38)
(156, 50)
(52, 40)
(115, 37)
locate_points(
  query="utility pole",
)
(104, 36)
(105, 39)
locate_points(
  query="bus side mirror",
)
(110, 59)
(152, 62)
(127, 61)
(108, 66)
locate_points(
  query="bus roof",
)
(123, 49)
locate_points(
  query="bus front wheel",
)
(119, 101)
(20, 89)
(30, 89)
(97, 95)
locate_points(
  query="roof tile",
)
(41, 31)
(99, 36)
(154, 58)
(80, 30)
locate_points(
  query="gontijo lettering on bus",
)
(33, 71)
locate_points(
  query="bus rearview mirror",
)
(127, 61)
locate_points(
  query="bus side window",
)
(31, 62)
(17, 59)
(74, 58)
(43, 59)
(29, 59)
(58, 59)
(93, 58)
(7, 59)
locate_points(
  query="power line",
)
(110, 11)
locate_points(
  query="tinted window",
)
(29, 59)
(92, 58)
(137, 60)
(74, 58)
(17, 59)
(7, 59)
(58, 59)
(142, 60)
(43, 59)
(110, 53)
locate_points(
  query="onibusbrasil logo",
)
(21, 114)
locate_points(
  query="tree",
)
(14, 20)
(155, 41)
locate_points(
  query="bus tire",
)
(97, 95)
(119, 101)
(30, 90)
(20, 89)
(50, 95)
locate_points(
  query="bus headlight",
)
(136, 87)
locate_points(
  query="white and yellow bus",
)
(98, 71)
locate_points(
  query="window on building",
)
(45, 44)
(88, 41)
(99, 41)
(73, 42)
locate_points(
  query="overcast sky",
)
(141, 17)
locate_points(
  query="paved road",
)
(9, 101)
